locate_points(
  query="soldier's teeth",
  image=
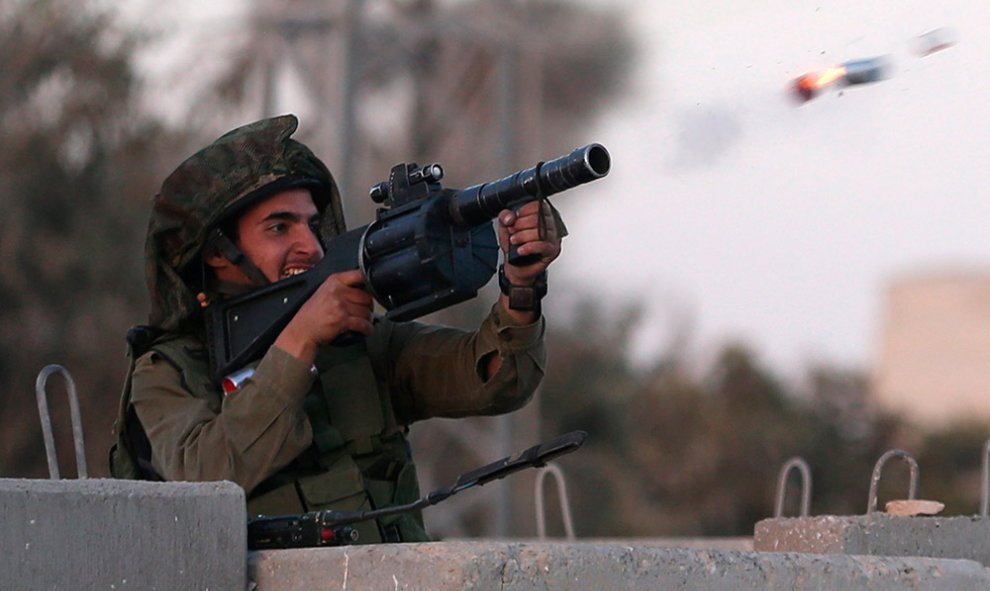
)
(293, 272)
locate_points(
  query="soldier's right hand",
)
(341, 304)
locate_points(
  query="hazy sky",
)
(742, 214)
(734, 212)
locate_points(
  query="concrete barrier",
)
(878, 534)
(116, 534)
(515, 566)
(709, 543)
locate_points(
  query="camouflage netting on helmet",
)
(214, 184)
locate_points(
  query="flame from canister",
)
(809, 85)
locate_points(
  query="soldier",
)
(315, 426)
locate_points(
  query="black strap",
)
(140, 338)
(234, 254)
(524, 298)
(139, 446)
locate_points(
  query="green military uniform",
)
(299, 438)
(298, 443)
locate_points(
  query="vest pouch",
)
(353, 398)
(282, 500)
(410, 525)
(340, 487)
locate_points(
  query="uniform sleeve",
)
(244, 437)
(438, 370)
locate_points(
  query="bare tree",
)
(76, 169)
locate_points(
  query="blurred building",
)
(934, 358)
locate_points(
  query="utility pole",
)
(352, 32)
(508, 75)
(335, 33)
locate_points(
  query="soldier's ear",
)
(214, 258)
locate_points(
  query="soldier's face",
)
(279, 235)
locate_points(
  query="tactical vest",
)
(359, 458)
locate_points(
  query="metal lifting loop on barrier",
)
(985, 497)
(805, 471)
(565, 508)
(878, 467)
(46, 423)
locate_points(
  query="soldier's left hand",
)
(522, 229)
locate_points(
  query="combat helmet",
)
(214, 185)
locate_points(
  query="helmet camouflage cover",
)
(216, 184)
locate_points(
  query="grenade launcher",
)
(428, 248)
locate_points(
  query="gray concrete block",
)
(878, 534)
(709, 543)
(117, 534)
(514, 566)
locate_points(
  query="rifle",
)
(428, 248)
(334, 528)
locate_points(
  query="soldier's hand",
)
(341, 304)
(522, 229)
